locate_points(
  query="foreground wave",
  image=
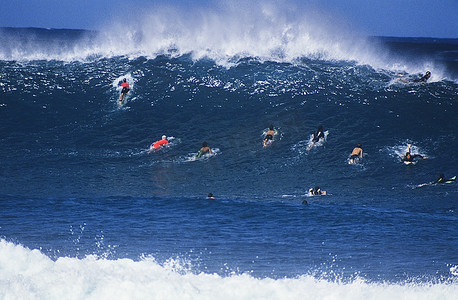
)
(30, 274)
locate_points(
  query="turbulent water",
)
(86, 211)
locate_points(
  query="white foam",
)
(398, 151)
(29, 274)
(267, 30)
(117, 82)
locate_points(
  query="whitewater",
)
(87, 211)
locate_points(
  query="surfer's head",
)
(204, 144)
(358, 145)
(164, 137)
(271, 127)
(320, 128)
(124, 80)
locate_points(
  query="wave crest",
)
(30, 274)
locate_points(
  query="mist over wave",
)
(225, 33)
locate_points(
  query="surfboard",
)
(268, 143)
(451, 180)
(354, 161)
(122, 102)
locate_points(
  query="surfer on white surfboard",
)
(409, 158)
(356, 154)
(125, 89)
(268, 138)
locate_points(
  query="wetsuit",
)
(315, 191)
(317, 136)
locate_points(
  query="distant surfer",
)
(268, 138)
(158, 144)
(204, 150)
(356, 154)
(440, 180)
(423, 78)
(210, 196)
(125, 89)
(409, 158)
(318, 134)
(316, 191)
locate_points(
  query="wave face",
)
(92, 278)
(80, 188)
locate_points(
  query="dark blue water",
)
(76, 178)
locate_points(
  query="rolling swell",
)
(61, 121)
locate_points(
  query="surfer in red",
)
(125, 89)
(158, 144)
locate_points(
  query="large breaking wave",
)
(280, 32)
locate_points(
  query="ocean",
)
(88, 212)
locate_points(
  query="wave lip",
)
(279, 32)
(226, 33)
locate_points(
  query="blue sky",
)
(404, 18)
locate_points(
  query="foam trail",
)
(29, 274)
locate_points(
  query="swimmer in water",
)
(204, 150)
(408, 157)
(318, 134)
(210, 196)
(440, 180)
(423, 79)
(158, 144)
(316, 191)
(269, 135)
(356, 154)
